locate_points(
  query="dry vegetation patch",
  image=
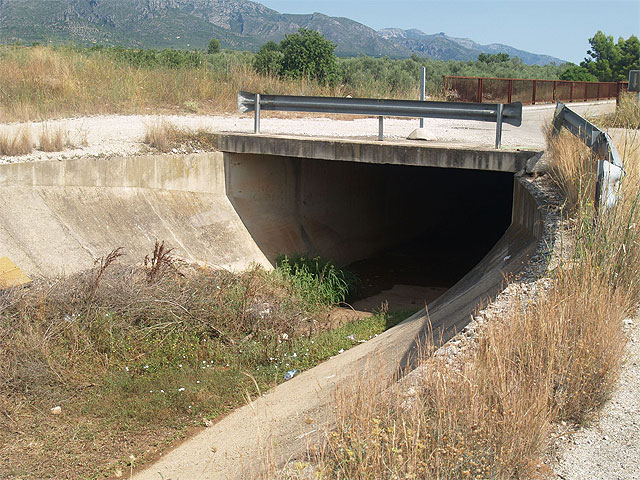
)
(627, 114)
(18, 142)
(165, 137)
(136, 355)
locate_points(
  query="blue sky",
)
(559, 28)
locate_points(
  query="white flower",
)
(181, 389)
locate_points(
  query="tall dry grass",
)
(627, 114)
(44, 82)
(18, 142)
(164, 136)
(53, 139)
(553, 360)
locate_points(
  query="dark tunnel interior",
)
(392, 225)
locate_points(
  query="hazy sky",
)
(558, 28)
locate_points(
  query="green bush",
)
(578, 74)
(268, 60)
(309, 54)
(303, 54)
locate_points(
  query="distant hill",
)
(440, 45)
(238, 24)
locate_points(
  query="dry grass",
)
(53, 139)
(627, 114)
(163, 136)
(18, 142)
(553, 360)
(43, 83)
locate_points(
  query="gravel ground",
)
(117, 135)
(610, 448)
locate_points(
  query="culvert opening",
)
(408, 232)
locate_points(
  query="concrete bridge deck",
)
(394, 152)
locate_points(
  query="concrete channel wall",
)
(231, 210)
(58, 217)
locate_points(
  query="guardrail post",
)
(380, 128)
(533, 96)
(256, 118)
(510, 91)
(499, 126)
(423, 85)
(554, 91)
(479, 99)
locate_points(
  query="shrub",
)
(214, 46)
(309, 54)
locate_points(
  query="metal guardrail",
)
(610, 167)
(510, 113)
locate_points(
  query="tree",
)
(268, 60)
(577, 73)
(611, 62)
(214, 46)
(308, 53)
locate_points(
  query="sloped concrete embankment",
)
(58, 217)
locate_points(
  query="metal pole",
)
(380, 128)
(499, 126)
(256, 118)
(423, 82)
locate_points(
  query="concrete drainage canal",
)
(418, 224)
(408, 224)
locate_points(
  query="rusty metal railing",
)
(528, 91)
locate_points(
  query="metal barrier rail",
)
(510, 113)
(610, 167)
(527, 90)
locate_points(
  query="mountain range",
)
(237, 24)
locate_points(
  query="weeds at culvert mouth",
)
(133, 361)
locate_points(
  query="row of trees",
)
(308, 53)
